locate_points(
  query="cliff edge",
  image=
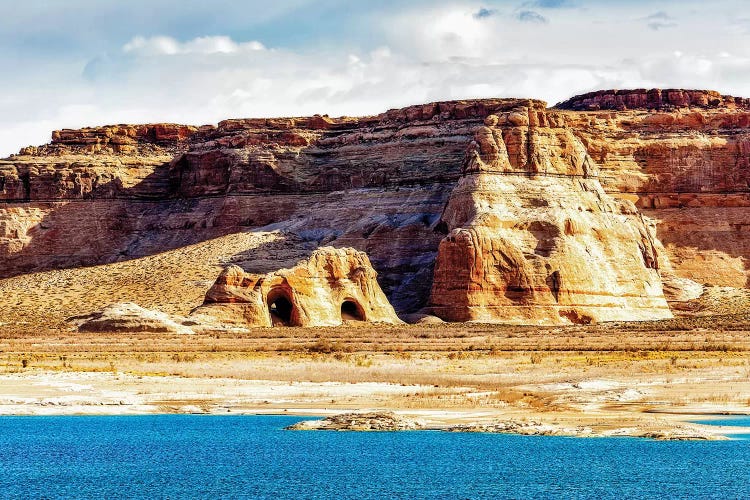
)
(487, 210)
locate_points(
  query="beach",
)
(600, 380)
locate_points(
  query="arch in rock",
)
(281, 308)
(352, 311)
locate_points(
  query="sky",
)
(74, 63)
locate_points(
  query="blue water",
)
(192, 456)
(738, 421)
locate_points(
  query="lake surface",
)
(193, 456)
(732, 421)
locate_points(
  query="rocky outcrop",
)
(622, 100)
(389, 421)
(94, 163)
(686, 166)
(535, 239)
(378, 184)
(373, 421)
(524, 428)
(519, 187)
(130, 318)
(115, 139)
(331, 287)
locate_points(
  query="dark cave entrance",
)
(281, 308)
(351, 311)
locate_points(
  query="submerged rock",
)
(375, 421)
(527, 428)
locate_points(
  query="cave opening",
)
(281, 308)
(351, 311)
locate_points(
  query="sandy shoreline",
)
(40, 392)
(648, 380)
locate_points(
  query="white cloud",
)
(660, 20)
(442, 32)
(165, 45)
(437, 52)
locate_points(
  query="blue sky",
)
(75, 63)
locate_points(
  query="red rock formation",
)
(328, 288)
(622, 100)
(381, 184)
(376, 183)
(111, 139)
(538, 240)
(687, 166)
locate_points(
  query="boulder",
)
(332, 287)
(131, 318)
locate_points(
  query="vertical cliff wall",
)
(683, 157)
(378, 184)
(535, 239)
(515, 211)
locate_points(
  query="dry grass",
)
(688, 360)
(478, 356)
(174, 282)
(573, 371)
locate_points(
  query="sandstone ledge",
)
(621, 100)
(375, 421)
(389, 422)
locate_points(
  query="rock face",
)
(686, 166)
(537, 239)
(378, 184)
(622, 100)
(129, 317)
(374, 421)
(329, 288)
(528, 214)
(102, 162)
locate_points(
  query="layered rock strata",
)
(329, 288)
(394, 185)
(659, 99)
(535, 239)
(376, 183)
(684, 161)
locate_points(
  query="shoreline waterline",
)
(688, 427)
(239, 456)
(618, 405)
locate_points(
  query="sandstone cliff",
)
(683, 157)
(654, 99)
(531, 188)
(377, 183)
(534, 238)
